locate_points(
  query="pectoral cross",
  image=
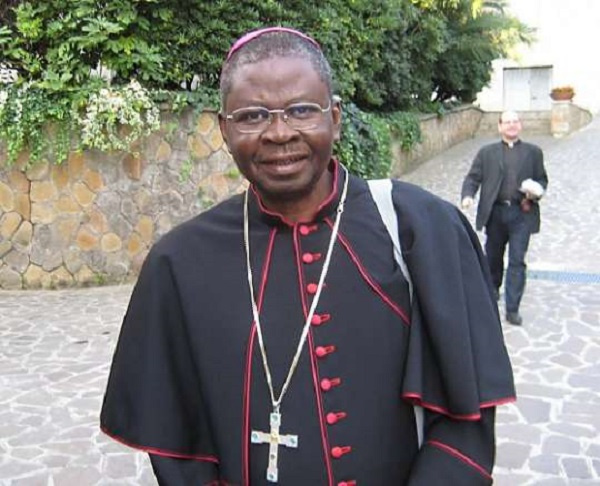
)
(274, 439)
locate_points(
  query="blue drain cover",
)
(567, 277)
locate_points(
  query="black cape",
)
(187, 379)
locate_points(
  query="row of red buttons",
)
(322, 351)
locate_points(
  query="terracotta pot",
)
(561, 95)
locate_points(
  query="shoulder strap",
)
(381, 191)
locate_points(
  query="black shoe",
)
(514, 318)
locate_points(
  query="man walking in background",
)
(512, 178)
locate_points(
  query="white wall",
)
(568, 37)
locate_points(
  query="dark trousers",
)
(508, 225)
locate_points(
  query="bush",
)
(387, 55)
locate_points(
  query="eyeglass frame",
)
(282, 111)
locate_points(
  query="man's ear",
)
(336, 115)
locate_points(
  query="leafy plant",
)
(114, 118)
(365, 145)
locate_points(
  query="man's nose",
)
(279, 128)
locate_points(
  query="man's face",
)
(285, 164)
(509, 126)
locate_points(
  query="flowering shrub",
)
(115, 118)
(104, 119)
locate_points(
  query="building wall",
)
(567, 36)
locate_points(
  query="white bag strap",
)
(381, 191)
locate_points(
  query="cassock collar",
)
(511, 144)
(326, 208)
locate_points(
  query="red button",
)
(338, 452)
(322, 351)
(308, 258)
(305, 230)
(334, 417)
(328, 383)
(347, 483)
(319, 319)
(311, 288)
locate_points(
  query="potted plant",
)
(562, 93)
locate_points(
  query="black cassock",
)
(187, 382)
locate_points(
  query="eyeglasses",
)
(298, 116)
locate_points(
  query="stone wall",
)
(566, 117)
(534, 123)
(92, 219)
(438, 134)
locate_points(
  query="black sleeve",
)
(473, 178)
(456, 452)
(170, 471)
(540, 175)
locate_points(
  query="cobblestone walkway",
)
(56, 347)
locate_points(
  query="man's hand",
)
(466, 203)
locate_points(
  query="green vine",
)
(26, 116)
(365, 145)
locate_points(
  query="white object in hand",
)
(532, 188)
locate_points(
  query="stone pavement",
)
(56, 346)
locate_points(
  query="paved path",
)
(56, 346)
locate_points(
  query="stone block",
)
(135, 245)
(42, 213)
(206, 122)
(75, 163)
(9, 279)
(197, 147)
(18, 181)
(65, 230)
(9, 222)
(576, 467)
(17, 261)
(145, 228)
(132, 165)
(85, 276)
(215, 140)
(60, 176)
(86, 239)
(110, 242)
(163, 153)
(66, 204)
(143, 199)
(97, 221)
(23, 236)
(72, 261)
(83, 195)
(129, 210)
(23, 205)
(119, 225)
(43, 191)
(60, 278)
(7, 198)
(93, 180)
(38, 171)
(117, 265)
(5, 247)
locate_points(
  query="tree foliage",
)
(387, 55)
